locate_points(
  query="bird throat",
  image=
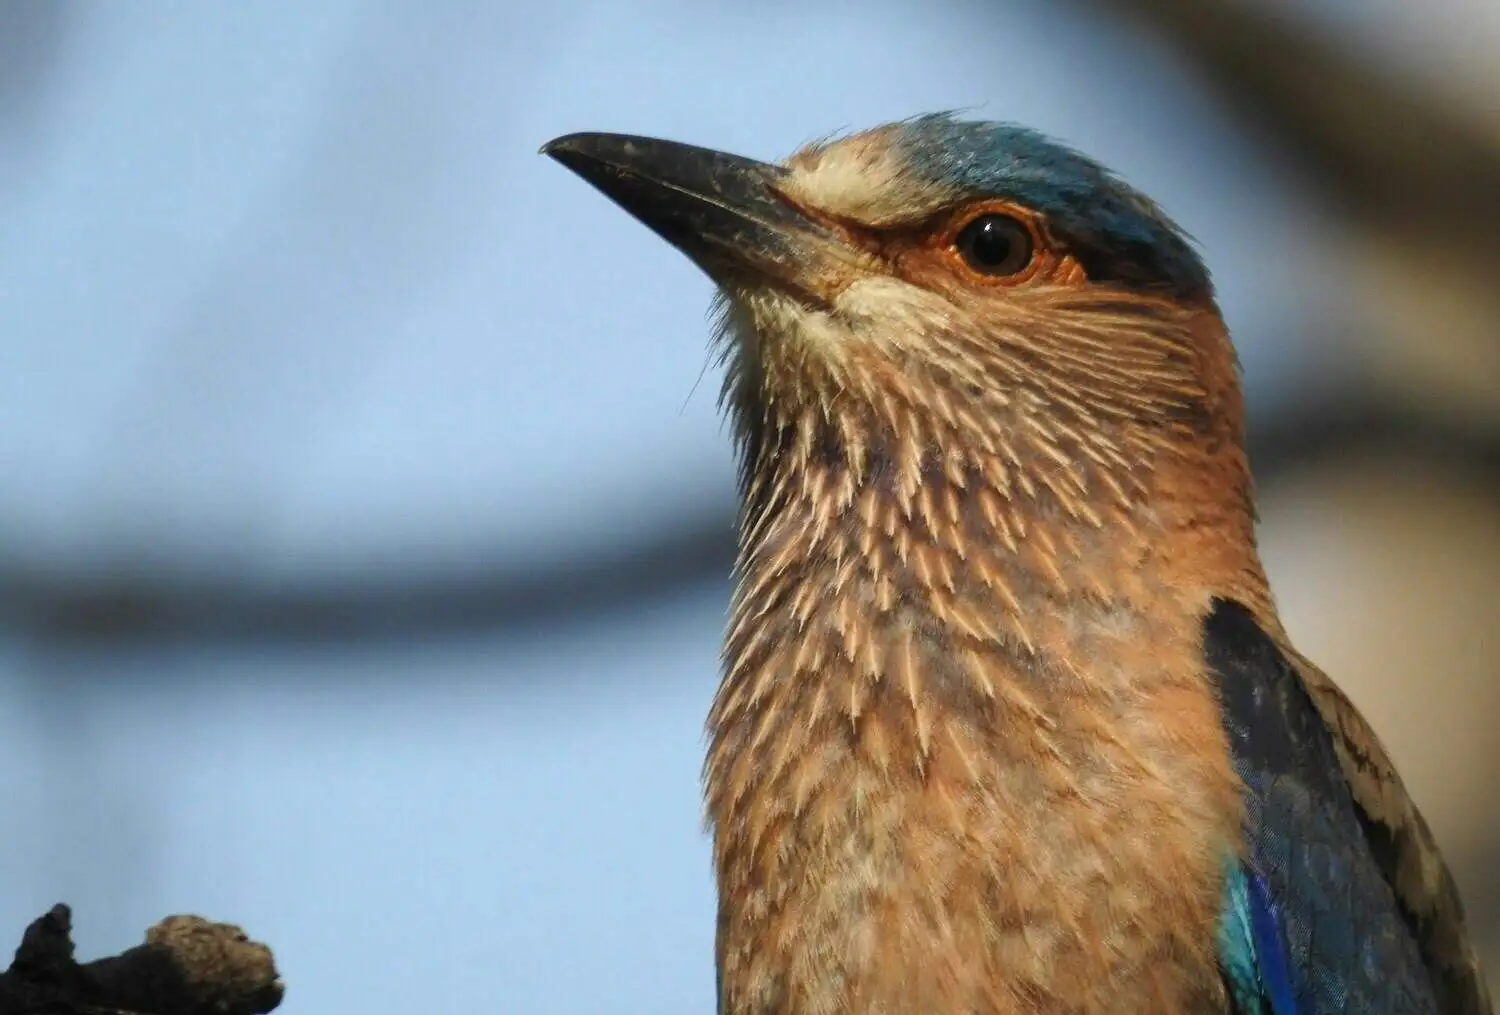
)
(941, 673)
(891, 571)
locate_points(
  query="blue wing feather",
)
(1252, 951)
(1236, 944)
(1270, 949)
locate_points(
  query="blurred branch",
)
(1412, 172)
(696, 553)
(32, 41)
(1372, 141)
(187, 966)
(138, 606)
(1380, 148)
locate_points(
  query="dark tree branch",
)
(188, 966)
(1373, 142)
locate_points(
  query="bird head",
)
(947, 298)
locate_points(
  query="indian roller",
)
(1008, 722)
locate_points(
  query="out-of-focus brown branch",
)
(187, 966)
(1373, 141)
(1413, 173)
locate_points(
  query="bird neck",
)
(866, 569)
(929, 674)
(863, 558)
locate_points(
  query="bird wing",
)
(1367, 913)
(1403, 846)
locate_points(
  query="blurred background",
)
(365, 520)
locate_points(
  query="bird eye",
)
(994, 245)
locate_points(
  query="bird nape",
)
(1008, 721)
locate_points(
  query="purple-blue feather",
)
(1270, 948)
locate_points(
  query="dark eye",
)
(994, 245)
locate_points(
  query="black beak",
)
(721, 210)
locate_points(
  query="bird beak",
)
(722, 211)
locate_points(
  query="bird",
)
(1007, 720)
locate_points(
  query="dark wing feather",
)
(1354, 941)
(1403, 846)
